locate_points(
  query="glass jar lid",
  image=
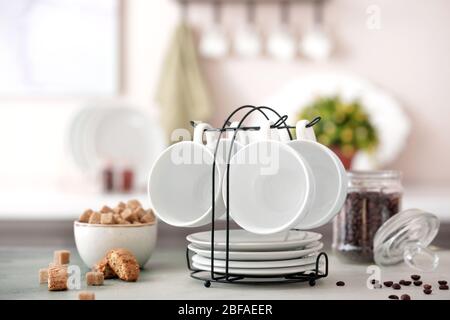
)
(405, 237)
(374, 174)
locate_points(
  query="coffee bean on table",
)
(427, 291)
(418, 283)
(442, 282)
(401, 282)
(340, 283)
(443, 287)
(388, 283)
(406, 283)
(415, 277)
(396, 286)
(393, 297)
(427, 286)
(405, 297)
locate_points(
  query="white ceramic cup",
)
(180, 183)
(329, 175)
(247, 42)
(281, 44)
(214, 43)
(270, 186)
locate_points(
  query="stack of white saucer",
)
(251, 254)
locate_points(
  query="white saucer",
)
(256, 264)
(241, 240)
(259, 255)
(257, 272)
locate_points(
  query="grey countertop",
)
(166, 277)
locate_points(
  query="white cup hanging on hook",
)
(281, 42)
(214, 43)
(247, 42)
(316, 44)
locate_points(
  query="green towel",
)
(182, 94)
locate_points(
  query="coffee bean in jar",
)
(372, 198)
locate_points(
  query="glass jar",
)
(372, 198)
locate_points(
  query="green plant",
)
(344, 125)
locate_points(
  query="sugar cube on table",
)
(103, 267)
(85, 216)
(95, 218)
(57, 278)
(94, 278)
(53, 264)
(107, 218)
(86, 295)
(61, 257)
(43, 275)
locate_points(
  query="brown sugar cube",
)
(151, 212)
(106, 209)
(139, 212)
(103, 267)
(146, 219)
(95, 218)
(57, 278)
(117, 210)
(129, 215)
(94, 278)
(107, 218)
(61, 257)
(133, 204)
(122, 205)
(43, 275)
(149, 217)
(124, 264)
(118, 218)
(54, 264)
(86, 295)
(136, 222)
(85, 216)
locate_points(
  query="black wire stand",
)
(311, 276)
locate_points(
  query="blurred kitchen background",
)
(91, 89)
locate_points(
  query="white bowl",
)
(95, 240)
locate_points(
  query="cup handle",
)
(241, 136)
(198, 133)
(284, 135)
(265, 132)
(304, 133)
